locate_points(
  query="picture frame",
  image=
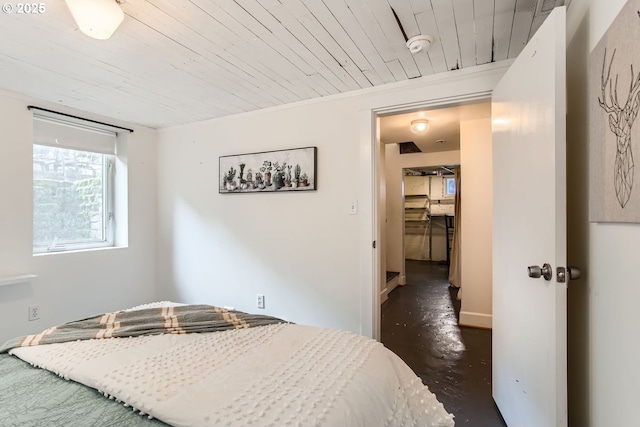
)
(614, 129)
(281, 171)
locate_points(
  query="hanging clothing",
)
(455, 266)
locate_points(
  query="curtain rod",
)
(33, 107)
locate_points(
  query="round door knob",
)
(545, 271)
(574, 273)
(535, 271)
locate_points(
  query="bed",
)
(201, 365)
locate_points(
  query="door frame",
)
(467, 84)
(370, 121)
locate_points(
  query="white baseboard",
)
(476, 320)
(392, 284)
(384, 295)
(402, 280)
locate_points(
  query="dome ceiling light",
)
(96, 18)
(419, 126)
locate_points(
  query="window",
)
(73, 166)
(449, 187)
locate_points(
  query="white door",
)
(529, 315)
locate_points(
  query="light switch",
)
(353, 207)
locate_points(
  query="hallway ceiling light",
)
(96, 18)
(419, 126)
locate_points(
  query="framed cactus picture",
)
(269, 171)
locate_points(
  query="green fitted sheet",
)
(34, 397)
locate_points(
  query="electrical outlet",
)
(34, 312)
(260, 300)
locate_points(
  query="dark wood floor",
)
(419, 324)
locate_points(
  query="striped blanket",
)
(183, 319)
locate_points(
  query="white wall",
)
(476, 166)
(604, 375)
(70, 286)
(311, 260)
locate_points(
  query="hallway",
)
(419, 324)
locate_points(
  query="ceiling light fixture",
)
(96, 18)
(419, 43)
(419, 126)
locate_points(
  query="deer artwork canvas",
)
(614, 100)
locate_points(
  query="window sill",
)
(75, 251)
(16, 278)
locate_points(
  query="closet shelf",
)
(16, 278)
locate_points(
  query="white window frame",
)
(44, 136)
(445, 187)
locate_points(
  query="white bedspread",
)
(277, 375)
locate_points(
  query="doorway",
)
(429, 213)
(419, 320)
(458, 134)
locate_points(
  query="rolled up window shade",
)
(74, 135)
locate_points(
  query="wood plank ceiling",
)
(173, 62)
